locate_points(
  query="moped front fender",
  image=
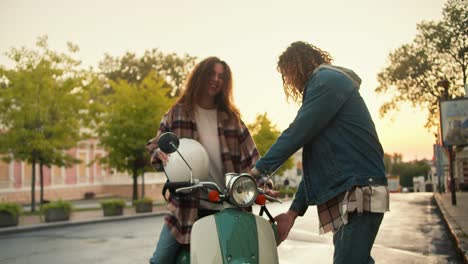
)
(233, 236)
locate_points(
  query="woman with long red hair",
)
(206, 113)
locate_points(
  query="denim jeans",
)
(353, 241)
(167, 248)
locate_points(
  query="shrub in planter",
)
(113, 207)
(291, 192)
(9, 214)
(287, 192)
(143, 205)
(282, 193)
(57, 211)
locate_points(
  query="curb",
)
(455, 231)
(21, 229)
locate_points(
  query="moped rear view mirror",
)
(168, 142)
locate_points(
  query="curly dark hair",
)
(197, 80)
(296, 65)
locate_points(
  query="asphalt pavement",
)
(455, 216)
(86, 212)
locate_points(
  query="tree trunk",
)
(143, 185)
(33, 186)
(41, 177)
(135, 185)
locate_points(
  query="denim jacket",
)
(341, 148)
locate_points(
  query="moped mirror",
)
(168, 142)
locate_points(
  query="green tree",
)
(408, 170)
(132, 115)
(390, 161)
(387, 163)
(134, 69)
(42, 107)
(265, 134)
(439, 51)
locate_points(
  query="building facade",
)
(72, 183)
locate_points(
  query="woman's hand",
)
(162, 156)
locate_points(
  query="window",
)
(82, 167)
(27, 172)
(4, 174)
(57, 175)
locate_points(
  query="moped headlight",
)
(242, 190)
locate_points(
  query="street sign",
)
(454, 122)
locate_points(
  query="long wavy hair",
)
(296, 65)
(198, 79)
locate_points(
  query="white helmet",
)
(195, 155)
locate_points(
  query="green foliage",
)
(407, 170)
(129, 117)
(129, 106)
(390, 160)
(43, 104)
(13, 209)
(59, 204)
(265, 134)
(143, 200)
(132, 69)
(113, 203)
(387, 163)
(287, 192)
(438, 51)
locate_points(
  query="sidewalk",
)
(93, 214)
(456, 218)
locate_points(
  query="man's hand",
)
(285, 222)
(272, 193)
(262, 183)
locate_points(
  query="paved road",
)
(120, 242)
(411, 233)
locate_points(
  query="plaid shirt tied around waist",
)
(334, 213)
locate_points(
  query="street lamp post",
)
(445, 84)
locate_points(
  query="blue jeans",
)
(353, 241)
(167, 248)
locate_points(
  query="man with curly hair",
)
(342, 157)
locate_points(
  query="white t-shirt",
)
(207, 126)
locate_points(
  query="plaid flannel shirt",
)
(238, 154)
(334, 213)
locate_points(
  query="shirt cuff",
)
(299, 206)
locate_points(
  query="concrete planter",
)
(56, 214)
(113, 207)
(112, 210)
(7, 219)
(144, 207)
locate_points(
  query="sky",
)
(249, 35)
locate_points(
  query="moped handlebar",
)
(177, 185)
(268, 197)
(199, 185)
(272, 199)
